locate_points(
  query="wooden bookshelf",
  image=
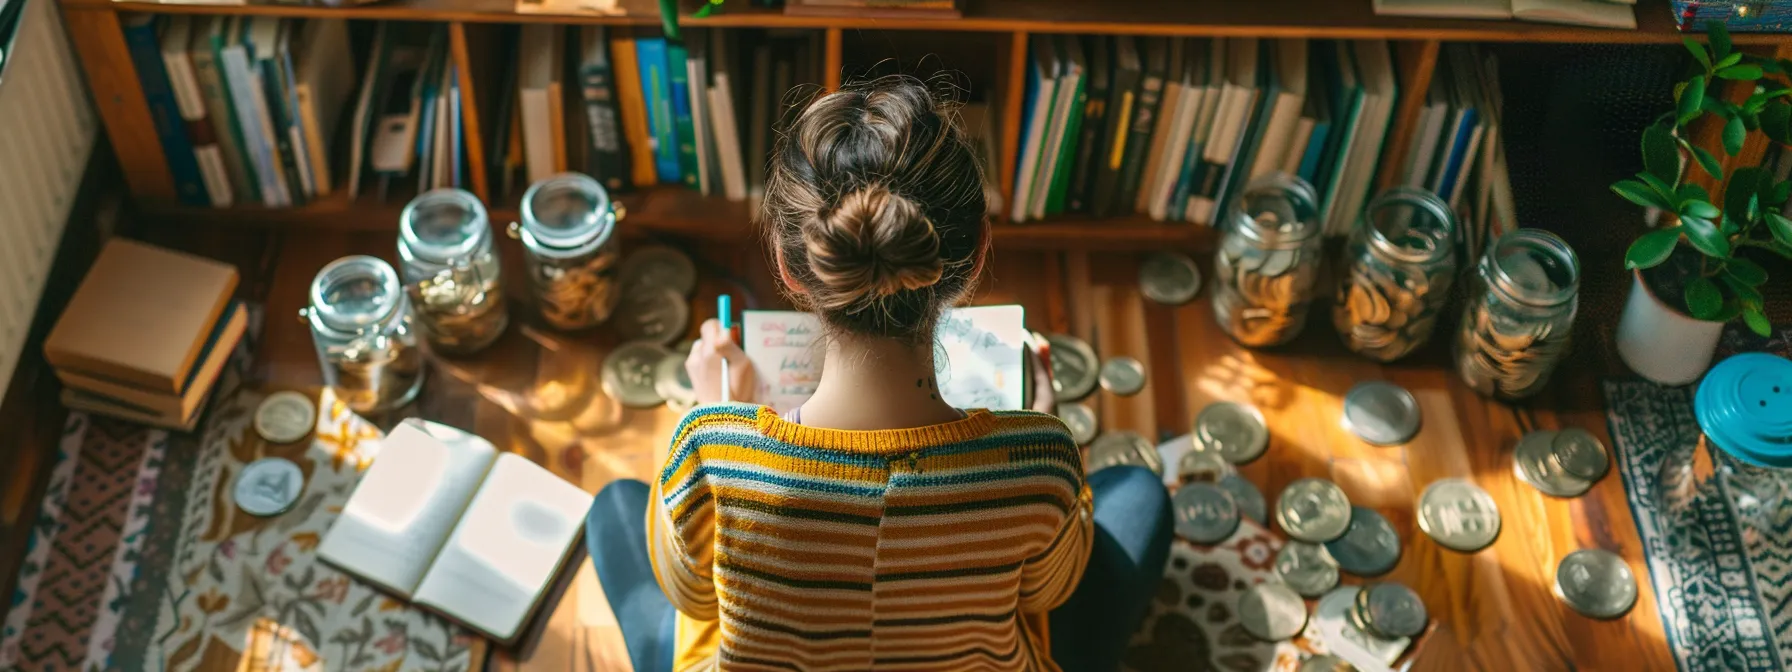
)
(999, 28)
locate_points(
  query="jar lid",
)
(353, 293)
(1745, 407)
(443, 225)
(567, 215)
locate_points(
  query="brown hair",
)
(875, 202)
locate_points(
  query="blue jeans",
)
(1089, 631)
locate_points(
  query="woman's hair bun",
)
(874, 243)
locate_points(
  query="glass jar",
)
(1520, 315)
(1268, 261)
(361, 324)
(568, 231)
(451, 272)
(1400, 262)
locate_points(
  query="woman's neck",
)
(876, 383)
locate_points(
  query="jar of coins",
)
(361, 323)
(450, 271)
(1520, 313)
(1267, 261)
(1400, 261)
(568, 231)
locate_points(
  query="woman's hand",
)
(1039, 359)
(705, 366)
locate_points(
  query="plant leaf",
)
(1640, 194)
(1727, 61)
(1775, 118)
(1699, 209)
(1707, 161)
(1661, 156)
(1734, 134)
(1750, 273)
(1698, 52)
(1746, 72)
(1781, 228)
(1659, 187)
(1757, 322)
(1744, 184)
(1719, 36)
(1732, 308)
(1745, 294)
(1778, 193)
(1651, 249)
(1691, 191)
(1691, 99)
(1705, 237)
(1703, 299)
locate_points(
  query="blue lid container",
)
(1745, 407)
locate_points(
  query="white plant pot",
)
(1660, 343)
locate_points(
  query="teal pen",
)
(724, 309)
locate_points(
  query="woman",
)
(875, 527)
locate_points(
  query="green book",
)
(678, 74)
(1071, 50)
(208, 61)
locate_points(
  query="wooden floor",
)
(536, 393)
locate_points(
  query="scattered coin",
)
(1271, 612)
(1169, 278)
(1074, 367)
(1579, 453)
(1249, 498)
(1335, 619)
(1124, 376)
(1237, 431)
(1393, 610)
(1534, 462)
(1459, 515)
(658, 314)
(1596, 583)
(285, 417)
(630, 373)
(1081, 420)
(1123, 447)
(656, 266)
(1204, 513)
(1307, 568)
(673, 382)
(1381, 413)
(1369, 547)
(1313, 510)
(1325, 662)
(268, 486)
(1203, 467)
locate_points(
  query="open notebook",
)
(978, 356)
(445, 520)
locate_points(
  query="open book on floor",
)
(445, 520)
(979, 357)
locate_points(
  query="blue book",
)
(1320, 109)
(1446, 185)
(678, 74)
(146, 52)
(656, 88)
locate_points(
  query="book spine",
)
(1088, 151)
(658, 98)
(1067, 151)
(1121, 101)
(222, 112)
(1309, 161)
(257, 136)
(1185, 180)
(177, 148)
(295, 124)
(199, 126)
(684, 125)
(1138, 142)
(607, 159)
(282, 131)
(631, 108)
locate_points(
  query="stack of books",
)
(1455, 151)
(1597, 13)
(146, 335)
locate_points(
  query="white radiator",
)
(46, 135)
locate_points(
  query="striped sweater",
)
(936, 548)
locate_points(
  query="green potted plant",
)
(1692, 274)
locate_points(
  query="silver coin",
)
(1204, 513)
(630, 373)
(1313, 510)
(1081, 420)
(1201, 466)
(1074, 367)
(1271, 612)
(1277, 262)
(1249, 498)
(1597, 583)
(656, 266)
(1325, 662)
(1369, 547)
(1394, 610)
(1580, 454)
(1335, 618)
(285, 417)
(673, 383)
(658, 314)
(1169, 278)
(1381, 413)
(1459, 515)
(1124, 376)
(1307, 568)
(1123, 447)
(268, 486)
(1237, 431)
(1534, 463)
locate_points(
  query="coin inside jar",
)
(1381, 413)
(1579, 453)
(1169, 278)
(1249, 498)
(630, 373)
(1123, 447)
(1369, 547)
(1081, 420)
(268, 486)
(1307, 568)
(1124, 376)
(1394, 610)
(1313, 510)
(1597, 583)
(1459, 515)
(1271, 612)
(1235, 430)
(1074, 367)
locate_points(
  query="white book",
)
(1213, 82)
(1044, 71)
(177, 37)
(442, 518)
(696, 68)
(1448, 9)
(1231, 123)
(1416, 171)
(1164, 133)
(727, 131)
(1064, 98)
(326, 74)
(249, 37)
(1284, 115)
(1597, 13)
(364, 112)
(1190, 93)
(981, 349)
(538, 84)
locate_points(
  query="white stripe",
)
(1037, 509)
(862, 550)
(124, 563)
(726, 516)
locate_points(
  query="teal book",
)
(1073, 131)
(657, 94)
(678, 74)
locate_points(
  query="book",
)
(1144, 120)
(539, 95)
(1598, 13)
(171, 130)
(179, 408)
(607, 156)
(1165, 133)
(1290, 65)
(1467, 86)
(76, 399)
(696, 65)
(976, 122)
(1181, 109)
(397, 130)
(324, 77)
(1232, 121)
(1080, 192)
(1072, 98)
(1269, 88)
(285, 78)
(1123, 91)
(1416, 170)
(631, 105)
(684, 121)
(1040, 98)
(1320, 104)
(269, 44)
(763, 104)
(445, 520)
(656, 85)
(724, 118)
(980, 349)
(1211, 79)
(144, 334)
(176, 38)
(1375, 66)
(361, 124)
(245, 60)
(208, 40)
(1347, 103)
